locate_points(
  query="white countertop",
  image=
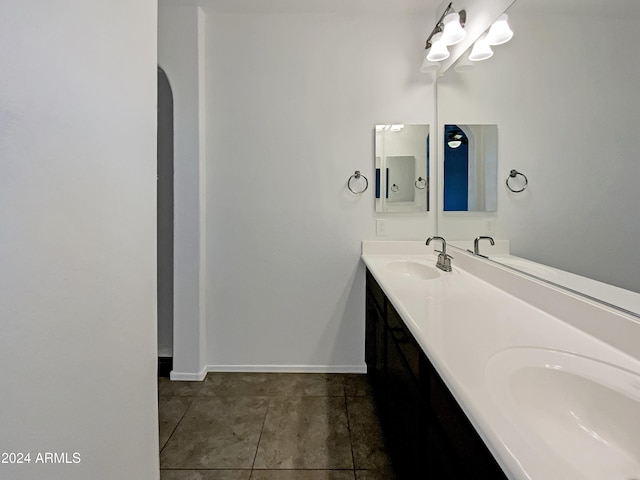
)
(464, 318)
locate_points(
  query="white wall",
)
(77, 241)
(292, 100)
(180, 48)
(569, 121)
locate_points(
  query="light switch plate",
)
(381, 227)
(490, 226)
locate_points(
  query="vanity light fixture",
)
(396, 127)
(481, 50)
(500, 32)
(438, 50)
(449, 30)
(452, 31)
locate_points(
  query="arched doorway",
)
(165, 225)
(456, 169)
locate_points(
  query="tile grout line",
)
(346, 408)
(177, 424)
(264, 420)
(208, 469)
(193, 398)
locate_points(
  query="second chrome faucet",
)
(444, 260)
(476, 246)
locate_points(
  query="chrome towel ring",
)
(357, 175)
(420, 183)
(514, 174)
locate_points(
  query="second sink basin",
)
(412, 269)
(584, 411)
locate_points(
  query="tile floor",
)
(271, 426)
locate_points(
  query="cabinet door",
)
(471, 457)
(428, 434)
(375, 346)
(370, 337)
(406, 417)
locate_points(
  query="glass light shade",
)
(438, 50)
(500, 32)
(452, 32)
(429, 66)
(481, 50)
(454, 143)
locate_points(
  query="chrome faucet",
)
(444, 260)
(476, 246)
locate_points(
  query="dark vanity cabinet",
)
(427, 433)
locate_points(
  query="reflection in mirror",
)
(569, 122)
(402, 168)
(470, 168)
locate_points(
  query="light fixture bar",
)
(439, 25)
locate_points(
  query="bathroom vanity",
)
(426, 429)
(484, 372)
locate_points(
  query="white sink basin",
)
(413, 270)
(585, 413)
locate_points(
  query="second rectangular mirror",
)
(402, 168)
(470, 168)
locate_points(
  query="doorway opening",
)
(165, 222)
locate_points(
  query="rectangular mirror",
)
(402, 168)
(470, 168)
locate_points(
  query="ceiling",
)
(613, 8)
(607, 8)
(312, 6)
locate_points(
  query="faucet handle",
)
(444, 262)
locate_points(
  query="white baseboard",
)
(289, 368)
(187, 376)
(199, 376)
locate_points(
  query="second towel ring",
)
(356, 176)
(514, 174)
(420, 183)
